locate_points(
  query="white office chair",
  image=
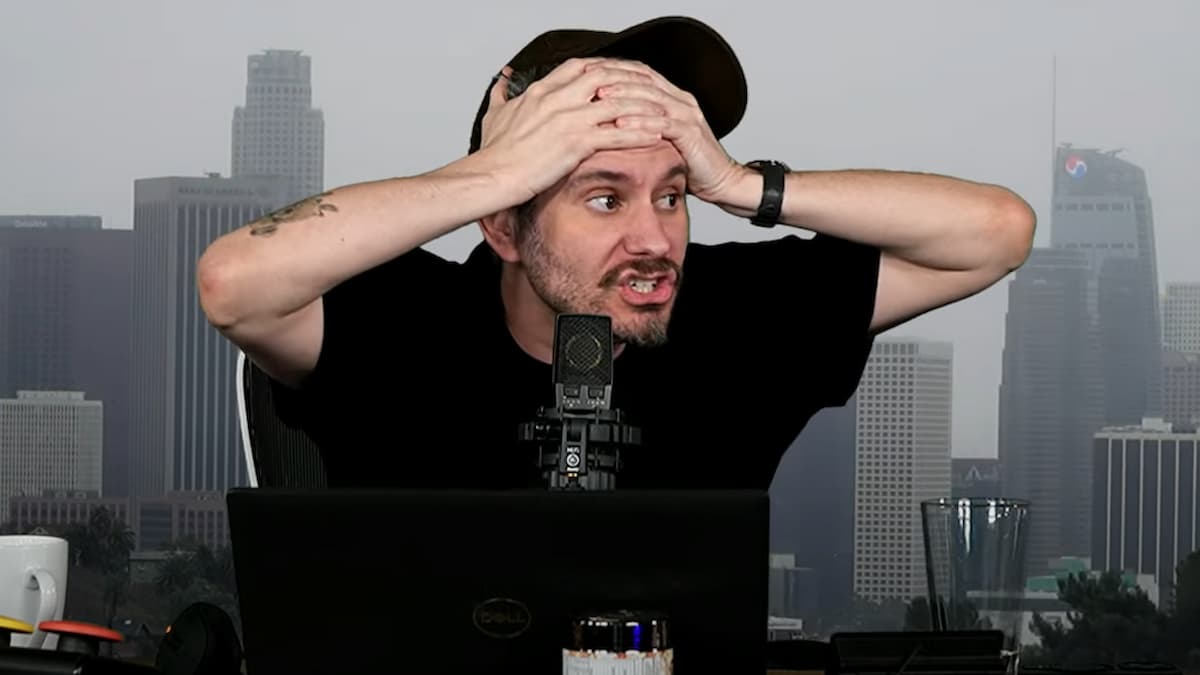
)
(277, 452)
(243, 425)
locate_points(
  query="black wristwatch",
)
(771, 205)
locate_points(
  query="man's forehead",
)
(635, 165)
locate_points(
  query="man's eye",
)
(604, 202)
(672, 200)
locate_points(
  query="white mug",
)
(33, 584)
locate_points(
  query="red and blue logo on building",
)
(1076, 166)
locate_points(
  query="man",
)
(411, 370)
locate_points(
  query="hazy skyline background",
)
(96, 96)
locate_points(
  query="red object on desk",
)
(81, 637)
(81, 629)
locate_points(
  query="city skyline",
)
(890, 97)
(162, 141)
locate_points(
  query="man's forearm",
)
(282, 262)
(934, 221)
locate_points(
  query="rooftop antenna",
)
(1054, 115)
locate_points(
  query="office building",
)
(1181, 318)
(65, 319)
(1051, 402)
(1145, 490)
(812, 499)
(278, 132)
(185, 434)
(1102, 209)
(1181, 388)
(902, 458)
(49, 440)
(975, 477)
(156, 522)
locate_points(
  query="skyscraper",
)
(1181, 388)
(1181, 318)
(902, 458)
(185, 433)
(1102, 208)
(812, 500)
(975, 477)
(1051, 401)
(65, 319)
(1181, 354)
(278, 132)
(49, 440)
(1145, 510)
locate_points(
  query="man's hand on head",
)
(711, 171)
(543, 134)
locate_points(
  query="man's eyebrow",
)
(610, 176)
(675, 172)
(598, 176)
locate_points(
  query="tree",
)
(103, 545)
(176, 573)
(1109, 624)
(1184, 620)
(863, 615)
(192, 573)
(961, 615)
(916, 615)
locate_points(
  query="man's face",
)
(610, 239)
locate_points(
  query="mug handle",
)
(49, 601)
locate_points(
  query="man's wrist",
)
(744, 192)
(489, 170)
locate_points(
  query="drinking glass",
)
(975, 566)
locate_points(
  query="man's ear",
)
(499, 229)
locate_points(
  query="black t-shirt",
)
(420, 384)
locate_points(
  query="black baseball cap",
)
(686, 51)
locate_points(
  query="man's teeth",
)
(643, 285)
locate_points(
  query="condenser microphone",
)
(583, 362)
(579, 440)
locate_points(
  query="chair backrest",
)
(278, 453)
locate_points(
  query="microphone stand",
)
(580, 449)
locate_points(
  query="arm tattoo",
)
(305, 208)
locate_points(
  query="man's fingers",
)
(585, 87)
(617, 137)
(569, 70)
(651, 123)
(654, 76)
(500, 88)
(610, 109)
(671, 104)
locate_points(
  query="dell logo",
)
(502, 618)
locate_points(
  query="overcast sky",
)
(96, 94)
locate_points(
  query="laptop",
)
(343, 581)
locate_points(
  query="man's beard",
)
(565, 293)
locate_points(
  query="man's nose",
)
(646, 233)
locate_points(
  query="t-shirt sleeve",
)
(800, 308)
(373, 314)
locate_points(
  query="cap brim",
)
(694, 57)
